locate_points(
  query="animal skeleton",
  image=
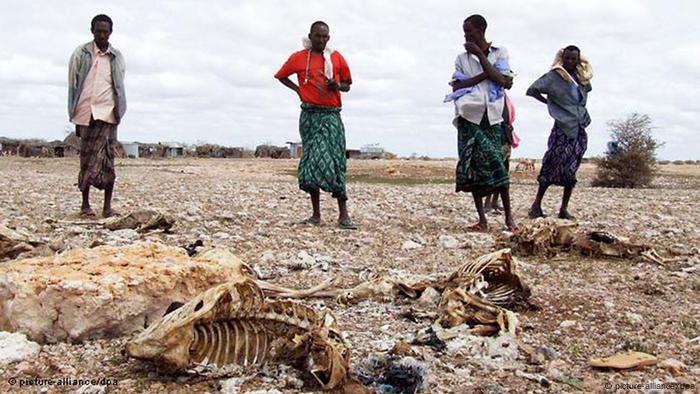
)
(141, 221)
(477, 292)
(233, 324)
(546, 236)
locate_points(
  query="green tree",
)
(632, 163)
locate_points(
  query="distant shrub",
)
(689, 162)
(678, 162)
(663, 162)
(633, 163)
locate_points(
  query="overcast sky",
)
(203, 70)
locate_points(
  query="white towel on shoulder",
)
(328, 63)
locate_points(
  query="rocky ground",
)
(589, 307)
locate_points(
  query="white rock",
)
(449, 242)
(306, 257)
(409, 245)
(122, 237)
(672, 365)
(15, 347)
(633, 318)
(609, 304)
(268, 256)
(429, 298)
(221, 235)
(232, 385)
(567, 323)
(105, 291)
(90, 389)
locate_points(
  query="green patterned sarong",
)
(480, 168)
(323, 163)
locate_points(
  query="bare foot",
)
(478, 228)
(566, 215)
(535, 212)
(512, 227)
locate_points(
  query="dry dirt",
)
(252, 206)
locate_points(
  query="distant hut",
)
(352, 153)
(371, 151)
(173, 149)
(272, 152)
(9, 147)
(295, 149)
(131, 149)
(71, 145)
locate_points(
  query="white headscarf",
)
(328, 63)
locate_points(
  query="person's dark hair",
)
(573, 48)
(318, 23)
(477, 21)
(100, 18)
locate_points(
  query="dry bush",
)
(633, 164)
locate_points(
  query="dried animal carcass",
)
(544, 236)
(476, 293)
(547, 236)
(481, 290)
(141, 221)
(233, 324)
(605, 244)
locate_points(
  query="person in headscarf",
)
(322, 74)
(565, 90)
(481, 73)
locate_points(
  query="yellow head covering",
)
(584, 70)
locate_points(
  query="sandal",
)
(312, 221)
(87, 213)
(110, 214)
(347, 224)
(478, 228)
(532, 214)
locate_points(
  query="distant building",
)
(371, 151)
(131, 149)
(295, 149)
(352, 153)
(173, 149)
(272, 152)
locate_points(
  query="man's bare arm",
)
(468, 82)
(491, 72)
(536, 94)
(288, 83)
(342, 86)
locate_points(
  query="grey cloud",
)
(204, 70)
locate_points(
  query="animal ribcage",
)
(236, 342)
